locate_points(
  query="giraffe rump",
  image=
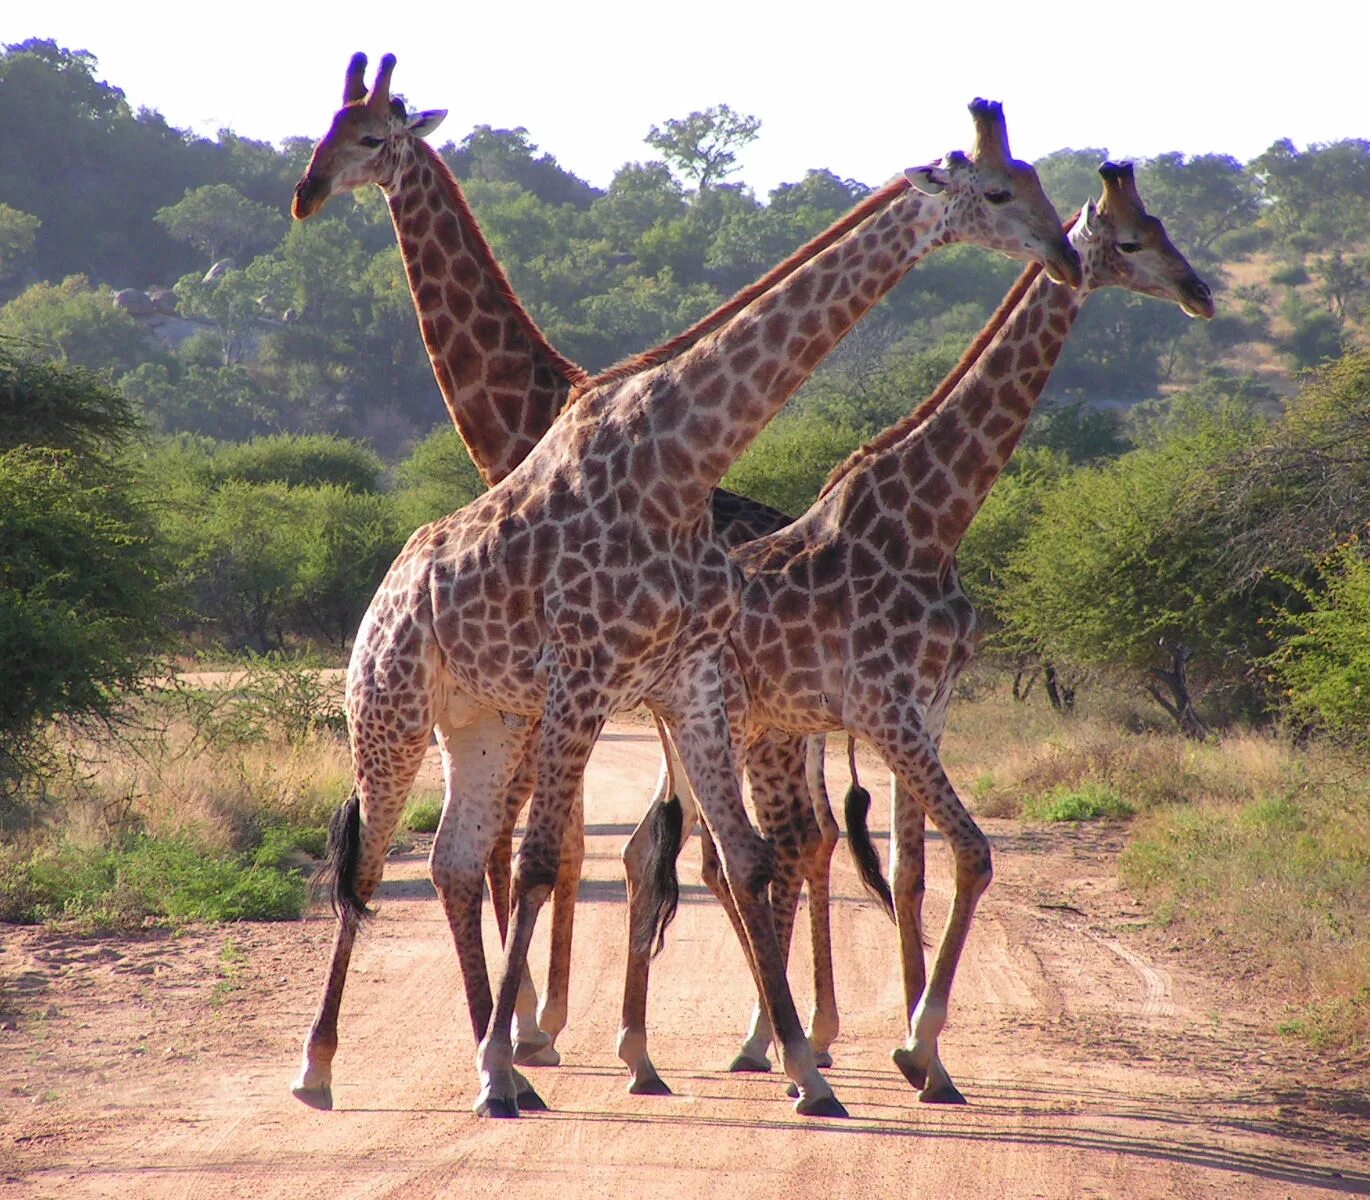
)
(660, 886)
(337, 873)
(864, 854)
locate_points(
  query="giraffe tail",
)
(337, 873)
(660, 885)
(856, 807)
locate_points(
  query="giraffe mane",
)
(725, 311)
(900, 429)
(573, 373)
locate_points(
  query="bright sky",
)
(863, 90)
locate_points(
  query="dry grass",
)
(1257, 849)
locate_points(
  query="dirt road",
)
(1097, 1062)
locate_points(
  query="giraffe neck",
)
(939, 472)
(500, 378)
(720, 392)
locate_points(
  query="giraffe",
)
(589, 580)
(854, 617)
(503, 384)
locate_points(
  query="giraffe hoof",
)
(497, 1107)
(529, 1101)
(904, 1060)
(792, 1090)
(820, 1106)
(530, 1054)
(946, 1094)
(649, 1085)
(316, 1097)
(745, 1062)
(821, 1058)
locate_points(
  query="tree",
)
(242, 547)
(1203, 198)
(1322, 664)
(510, 156)
(221, 222)
(300, 460)
(436, 479)
(82, 609)
(18, 233)
(1107, 575)
(1319, 193)
(704, 145)
(77, 324)
(1071, 177)
(350, 541)
(789, 461)
(43, 403)
(1287, 500)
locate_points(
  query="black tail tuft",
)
(661, 886)
(338, 871)
(863, 851)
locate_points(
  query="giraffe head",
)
(994, 200)
(365, 143)
(1122, 245)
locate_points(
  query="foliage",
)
(1089, 802)
(1322, 663)
(1105, 574)
(704, 145)
(146, 879)
(300, 460)
(76, 324)
(422, 814)
(219, 221)
(18, 233)
(78, 611)
(788, 462)
(43, 403)
(436, 479)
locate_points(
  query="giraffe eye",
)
(1129, 247)
(371, 143)
(1001, 196)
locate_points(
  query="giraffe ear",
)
(422, 124)
(930, 180)
(1089, 221)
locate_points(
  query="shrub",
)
(1089, 802)
(422, 814)
(145, 879)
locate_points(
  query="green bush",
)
(422, 814)
(1088, 802)
(1323, 664)
(148, 879)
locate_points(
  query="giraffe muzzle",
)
(310, 194)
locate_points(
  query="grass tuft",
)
(422, 814)
(1089, 802)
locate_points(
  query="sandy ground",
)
(1099, 1061)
